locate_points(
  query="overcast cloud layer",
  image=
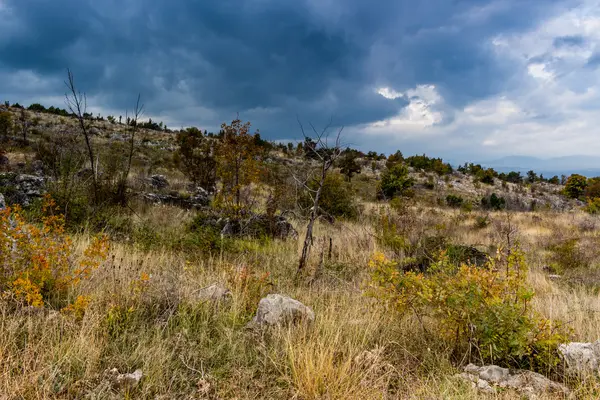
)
(470, 79)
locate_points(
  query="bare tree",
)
(77, 104)
(326, 155)
(122, 184)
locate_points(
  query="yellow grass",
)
(355, 349)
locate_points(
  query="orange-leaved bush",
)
(483, 313)
(36, 260)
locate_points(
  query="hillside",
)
(173, 269)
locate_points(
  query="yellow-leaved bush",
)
(36, 260)
(483, 314)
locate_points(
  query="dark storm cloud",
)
(269, 60)
(566, 41)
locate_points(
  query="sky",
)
(459, 79)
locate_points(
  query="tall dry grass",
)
(355, 349)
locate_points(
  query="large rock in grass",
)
(529, 384)
(278, 310)
(581, 358)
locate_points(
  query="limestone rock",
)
(581, 358)
(125, 381)
(528, 383)
(215, 293)
(276, 309)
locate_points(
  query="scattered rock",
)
(158, 181)
(31, 185)
(276, 309)
(125, 381)
(22, 188)
(194, 200)
(581, 358)
(528, 383)
(215, 293)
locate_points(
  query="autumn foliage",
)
(38, 266)
(481, 313)
(238, 165)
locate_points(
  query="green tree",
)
(5, 123)
(592, 190)
(575, 186)
(238, 163)
(197, 158)
(555, 180)
(348, 165)
(531, 176)
(394, 159)
(395, 181)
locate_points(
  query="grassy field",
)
(144, 315)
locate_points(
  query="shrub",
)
(593, 206)
(337, 199)
(575, 186)
(483, 312)
(37, 264)
(482, 221)
(494, 202)
(454, 201)
(395, 181)
(567, 256)
(5, 123)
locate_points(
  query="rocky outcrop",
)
(22, 188)
(580, 358)
(158, 181)
(278, 310)
(489, 378)
(198, 199)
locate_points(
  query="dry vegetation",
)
(137, 307)
(144, 315)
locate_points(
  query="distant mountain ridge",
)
(585, 165)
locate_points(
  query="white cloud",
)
(389, 93)
(549, 107)
(539, 71)
(420, 113)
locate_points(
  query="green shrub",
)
(575, 186)
(6, 123)
(395, 181)
(494, 202)
(567, 256)
(482, 313)
(593, 206)
(482, 221)
(454, 201)
(337, 199)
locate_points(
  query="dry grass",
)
(356, 349)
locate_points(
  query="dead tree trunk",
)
(327, 156)
(77, 104)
